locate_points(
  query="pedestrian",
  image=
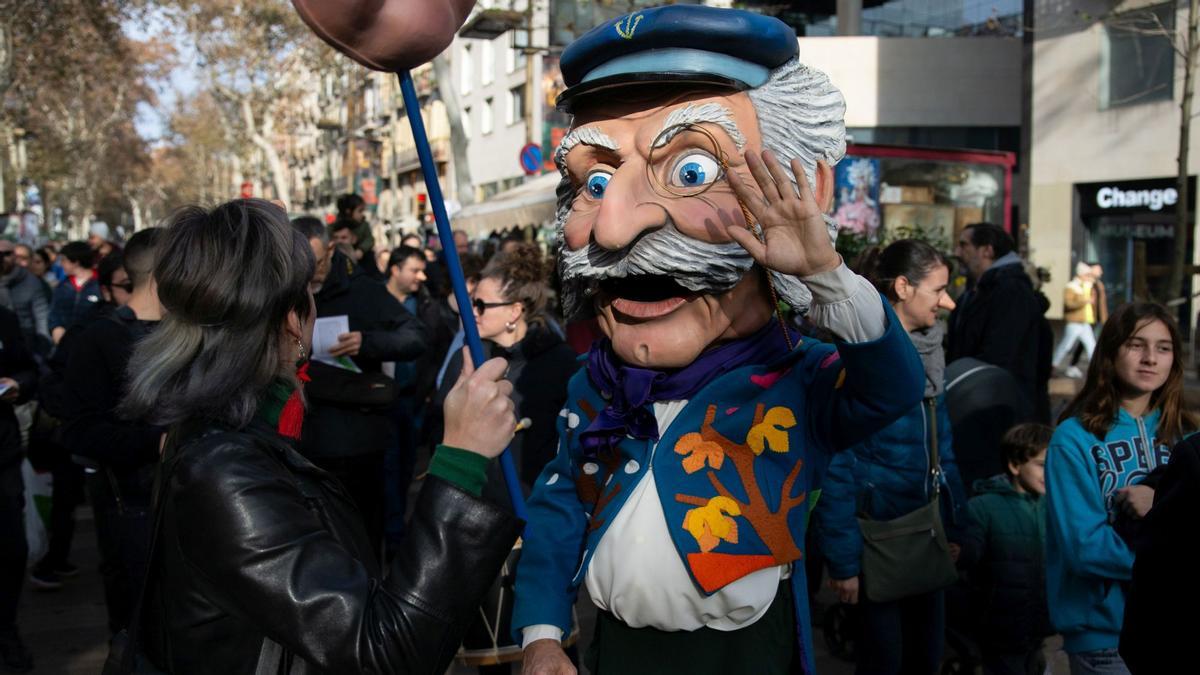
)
(18, 377)
(1156, 636)
(122, 452)
(1000, 319)
(1117, 429)
(260, 560)
(1079, 312)
(41, 265)
(509, 302)
(349, 423)
(405, 273)
(25, 294)
(77, 296)
(890, 474)
(352, 211)
(98, 234)
(1003, 553)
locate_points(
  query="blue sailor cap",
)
(677, 43)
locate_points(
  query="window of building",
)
(487, 67)
(514, 58)
(485, 117)
(516, 105)
(466, 121)
(1137, 58)
(465, 71)
(915, 18)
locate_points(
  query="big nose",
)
(629, 209)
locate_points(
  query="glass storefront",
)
(882, 193)
(1119, 219)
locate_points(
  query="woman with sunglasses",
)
(509, 302)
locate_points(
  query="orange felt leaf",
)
(698, 452)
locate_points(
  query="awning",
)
(531, 202)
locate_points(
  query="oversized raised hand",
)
(391, 35)
(795, 237)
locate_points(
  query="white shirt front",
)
(660, 594)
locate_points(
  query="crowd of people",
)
(1045, 544)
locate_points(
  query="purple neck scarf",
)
(631, 391)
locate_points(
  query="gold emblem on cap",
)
(631, 24)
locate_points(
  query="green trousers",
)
(765, 647)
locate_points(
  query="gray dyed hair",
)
(800, 114)
(227, 278)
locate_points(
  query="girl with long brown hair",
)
(1117, 430)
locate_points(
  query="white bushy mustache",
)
(693, 264)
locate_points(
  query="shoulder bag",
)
(909, 555)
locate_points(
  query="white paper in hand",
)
(325, 336)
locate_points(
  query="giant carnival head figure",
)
(666, 101)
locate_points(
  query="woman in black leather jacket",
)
(261, 562)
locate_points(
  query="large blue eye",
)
(695, 170)
(597, 183)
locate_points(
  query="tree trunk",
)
(260, 135)
(458, 136)
(1182, 220)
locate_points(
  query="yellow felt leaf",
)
(772, 431)
(724, 504)
(708, 524)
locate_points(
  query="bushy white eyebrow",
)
(705, 113)
(586, 136)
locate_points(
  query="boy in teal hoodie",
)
(1003, 553)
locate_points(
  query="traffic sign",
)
(531, 159)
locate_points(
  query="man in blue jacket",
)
(694, 437)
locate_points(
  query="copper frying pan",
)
(389, 35)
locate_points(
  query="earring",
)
(510, 326)
(301, 346)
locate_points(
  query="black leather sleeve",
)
(247, 530)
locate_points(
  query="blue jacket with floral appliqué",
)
(735, 470)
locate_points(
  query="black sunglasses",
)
(125, 286)
(481, 306)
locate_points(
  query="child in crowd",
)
(1003, 551)
(1118, 429)
(78, 295)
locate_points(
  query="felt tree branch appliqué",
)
(716, 520)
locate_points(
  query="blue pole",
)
(457, 280)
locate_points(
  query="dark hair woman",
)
(509, 302)
(1110, 440)
(890, 474)
(261, 559)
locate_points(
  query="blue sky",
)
(151, 122)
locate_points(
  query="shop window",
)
(516, 105)
(1137, 59)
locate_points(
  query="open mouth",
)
(646, 296)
